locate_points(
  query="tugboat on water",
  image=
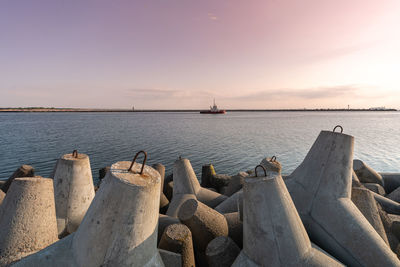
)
(213, 110)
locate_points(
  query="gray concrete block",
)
(204, 223)
(22, 171)
(186, 183)
(221, 252)
(365, 202)
(170, 259)
(365, 173)
(273, 233)
(27, 218)
(235, 227)
(321, 188)
(377, 188)
(271, 165)
(235, 184)
(178, 238)
(2, 196)
(119, 228)
(391, 181)
(163, 222)
(230, 204)
(73, 191)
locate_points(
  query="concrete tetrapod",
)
(186, 186)
(221, 252)
(230, 204)
(273, 234)
(178, 238)
(271, 165)
(163, 222)
(27, 218)
(391, 181)
(235, 184)
(320, 188)
(22, 171)
(235, 227)
(2, 196)
(365, 173)
(365, 202)
(73, 190)
(119, 228)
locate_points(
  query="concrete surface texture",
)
(388, 226)
(387, 204)
(163, 222)
(22, 171)
(2, 196)
(73, 189)
(394, 195)
(185, 182)
(178, 238)
(27, 218)
(320, 188)
(365, 202)
(221, 252)
(355, 182)
(273, 233)
(365, 173)
(235, 184)
(119, 228)
(230, 204)
(170, 259)
(271, 164)
(391, 181)
(235, 227)
(377, 188)
(207, 171)
(176, 203)
(204, 223)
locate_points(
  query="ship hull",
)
(212, 112)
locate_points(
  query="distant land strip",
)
(43, 109)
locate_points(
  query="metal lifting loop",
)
(273, 159)
(338, 126)
(134, 159)
(265, 171)
(75, 153)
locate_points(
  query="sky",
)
(256, 54)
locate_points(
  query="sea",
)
(234, 142)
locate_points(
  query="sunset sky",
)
(181, 54)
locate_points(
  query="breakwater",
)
(332, 210)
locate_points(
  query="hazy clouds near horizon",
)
(182, 54)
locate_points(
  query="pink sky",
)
(182, 54)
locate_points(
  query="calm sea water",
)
(233, 142)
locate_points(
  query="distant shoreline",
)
(34, 109)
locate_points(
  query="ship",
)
(213, 110)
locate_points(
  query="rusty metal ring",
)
(134, 159)
(75, 153)
(273, 159)
(265, 171)
(338, 126)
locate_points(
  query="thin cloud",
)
(167, 93)
(340, 52)
(212, 16)
(303, 93)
